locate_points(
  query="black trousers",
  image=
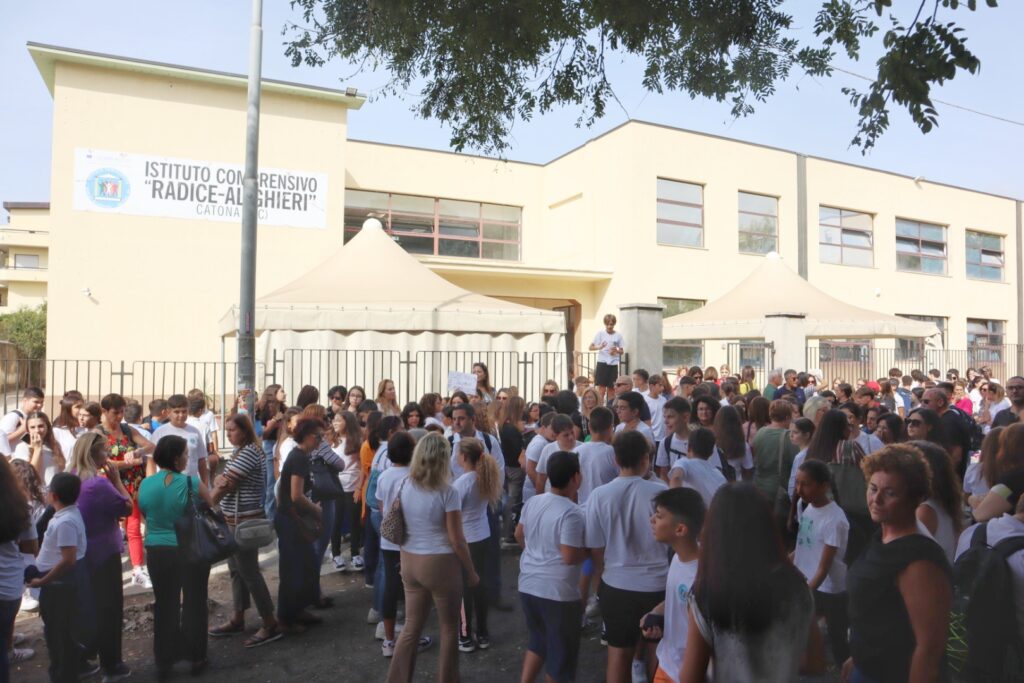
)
(108, 599)
(58, 602)
(180, 609)
(833, 607)
(475, 600)
(347, 508)
(393, 587)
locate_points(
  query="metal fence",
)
(758, 355)
(852, 361)
(418, 372)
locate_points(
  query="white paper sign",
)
(462, 381)
(146, 185)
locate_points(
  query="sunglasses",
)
(915, 422)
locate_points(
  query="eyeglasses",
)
(926, 401)
(1015, 387)
(336, 398)
(503, 398)
(915, 422)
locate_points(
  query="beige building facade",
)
(643, 213)
(24, 255)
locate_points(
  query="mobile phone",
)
(654, 621)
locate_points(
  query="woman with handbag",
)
(433, 551)
(298, 522)
(179, 586)
(239, 491)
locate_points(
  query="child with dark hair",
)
(677, 521)
(550, 531)
(696, 471)
(57, 579)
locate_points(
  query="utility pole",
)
(250, 194)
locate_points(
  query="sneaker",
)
(20, 654)
(387, 648)
(467, 644)
(639, 672)
(28, 603)
(379, 633)
(339, 563)
(424, 644)
(483, 642)
(120, 672)
(140, 577)
(357, 563)
(373, 616)
(593, 608)
(88, 669)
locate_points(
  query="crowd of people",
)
(710, 528)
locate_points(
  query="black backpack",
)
(973, 428)
(984, 645)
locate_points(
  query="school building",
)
(643, 213)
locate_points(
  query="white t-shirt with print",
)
(474, 509)
(597, 467)
(202, 426)
(425, 515)
(196, 444)
(388, 484)
(619, 520)
(609, 340)
(820, 527)
(549, 522)
(672, 646)
(699, 475)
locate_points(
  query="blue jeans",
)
(269, 502)
(376, 517)
(8, 611)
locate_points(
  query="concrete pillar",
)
(788, 333)
(640, 325)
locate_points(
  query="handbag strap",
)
(398, 498)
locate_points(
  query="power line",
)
(994, 117)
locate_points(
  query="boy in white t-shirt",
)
(541, 438)
(675, 445)
(597, 468)
(820, 551)
(633, 565)
(695, 471)
(178, 426)
(609, 346)
(677, 521)
(550, 532)
(565, 440)
(656, 397)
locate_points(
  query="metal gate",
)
(758, 355)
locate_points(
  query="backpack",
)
(371, 484)
(850, 491)
(973, 428)
(984, 645)
(487, 442)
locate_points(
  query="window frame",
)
(911, 348)
(691, 344)
(981, 253)
(436, 218)
(740, 231)
(870, 232)
(18, 266)
(676, 223)
(920, 253)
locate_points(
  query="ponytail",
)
(488, 476)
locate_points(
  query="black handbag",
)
(326, 485)
(203, 533)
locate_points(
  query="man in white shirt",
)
(463, 425)
(609, 346)
(550, 532)
(633, 566)
(178, 426)
(14, 424)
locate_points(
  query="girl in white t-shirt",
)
(347, 439)
(42, 450)
(478, 488)
(821, 549)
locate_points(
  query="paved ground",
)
(342, 650)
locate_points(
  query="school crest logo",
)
(108, 188)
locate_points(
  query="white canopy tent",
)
(373, 295)
(775, 304)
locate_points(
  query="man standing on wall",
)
(609, 346)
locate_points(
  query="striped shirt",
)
(248, 466)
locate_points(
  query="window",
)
(26, 260)
(676, 352)
(920, 247)
(845, 237)
(438, 227)
(985, 341)
(913, 349)
(984, 256)
(680, 214)
(759, 223)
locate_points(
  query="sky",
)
(807, 115)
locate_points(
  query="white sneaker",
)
(339, 563)
(18, 655)
(387, 648)
(140, 577)
(373, 616)
(593, 609)
(639, 672)
(379, 632)
(357, 563)
(28, 603)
